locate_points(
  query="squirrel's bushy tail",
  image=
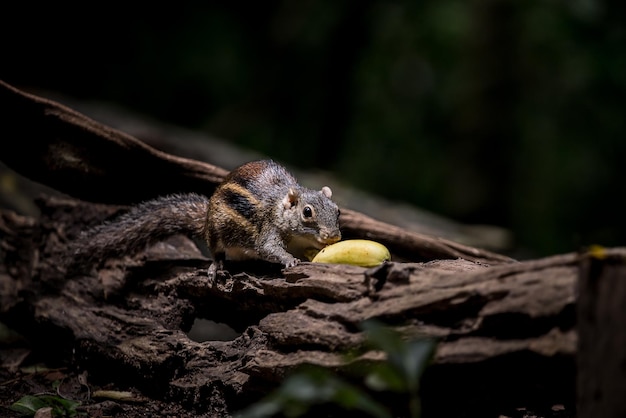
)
(144, 224)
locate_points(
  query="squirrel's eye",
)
(307, 212)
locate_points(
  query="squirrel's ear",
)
(327, 192)
(291, 199)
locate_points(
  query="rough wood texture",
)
(61, 148)
(66, 150)
(506, 329)
(601, 321)
(511, 323)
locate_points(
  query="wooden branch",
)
(66, 150)
(410, 245)
(510, 323)
(63, 149)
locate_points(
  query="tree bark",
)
(512, 322)
(601, 319)
(505, 329)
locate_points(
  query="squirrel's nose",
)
(330, 236)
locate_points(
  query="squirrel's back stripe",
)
(239, 202)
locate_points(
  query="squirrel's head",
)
(313, 215)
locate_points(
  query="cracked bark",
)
(509, 322)
(506, 329)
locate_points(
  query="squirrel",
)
(258, 211)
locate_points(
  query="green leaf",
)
(383, 338)
(384, 377)
(29, 405)
(415, 359)
(407, 358)
(314, 386)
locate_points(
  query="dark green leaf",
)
(314, 387)
(384, 377)
(29, 405)
(416, 358)
(407, 359)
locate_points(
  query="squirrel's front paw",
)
(291, 263)
(215, 266)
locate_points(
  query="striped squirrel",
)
(258, 211)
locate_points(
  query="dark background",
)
(487, 111)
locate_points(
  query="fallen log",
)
(505, 330)
(511, 322)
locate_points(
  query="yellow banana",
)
(359, 252)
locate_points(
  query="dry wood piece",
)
(66, 150)
(601, 322)
(411, 245)
(506, 332)
(63, 149)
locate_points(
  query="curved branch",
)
(61, 148)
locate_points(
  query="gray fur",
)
(258, 211)
(144, 224)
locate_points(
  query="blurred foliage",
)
(311, 387)
(299, 395)
(58, 406)
(487, 111)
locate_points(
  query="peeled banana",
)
(358, 252)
